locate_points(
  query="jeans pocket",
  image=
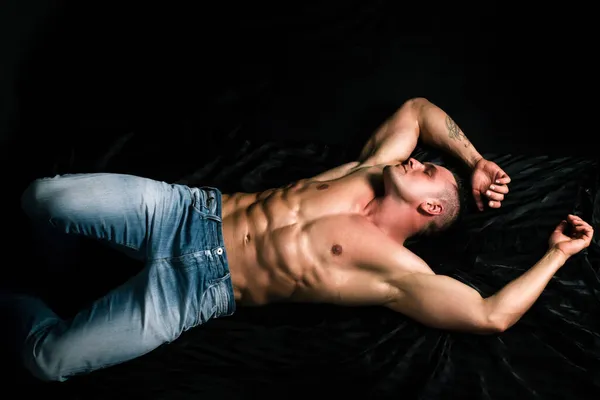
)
(210, 304)
(203, 203)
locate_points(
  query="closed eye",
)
(430, 170)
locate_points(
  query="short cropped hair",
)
(454, 198)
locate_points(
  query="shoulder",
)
(378, 252)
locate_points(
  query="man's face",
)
(414, 182)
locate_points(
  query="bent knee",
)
(44, 359)
(35, 198)
(48, 198)
(46, 372)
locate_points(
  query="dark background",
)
(515, 79)
(177, 81)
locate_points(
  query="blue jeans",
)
(175, 229)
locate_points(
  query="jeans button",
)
(219, 251)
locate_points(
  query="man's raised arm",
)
(442, 302)
(418, 118)
(439, 130)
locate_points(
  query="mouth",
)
(401, 166)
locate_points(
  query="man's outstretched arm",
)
(442, 302)
(416, 119)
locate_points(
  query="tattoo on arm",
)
(454, 132)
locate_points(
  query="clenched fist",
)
(572, 242)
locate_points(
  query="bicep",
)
(442, 302)
(394, 141)
(396, 138)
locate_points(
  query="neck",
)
(405, 223)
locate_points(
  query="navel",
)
(336, 249)
(247, 238)
(322, 186)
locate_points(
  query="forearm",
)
(508, 305)
(438, 129)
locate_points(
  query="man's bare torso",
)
(310, 242)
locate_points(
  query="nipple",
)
(336, 249)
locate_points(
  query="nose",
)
(414, 164)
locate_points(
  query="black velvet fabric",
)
(372, 352)
(246, 97)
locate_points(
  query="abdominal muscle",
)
(294, 244)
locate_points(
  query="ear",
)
(431, 206)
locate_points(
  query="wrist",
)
(473, 160)
(556, 253)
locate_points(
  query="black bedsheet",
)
(302, 350)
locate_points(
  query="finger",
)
(575, 217)
(582, 225)
(499, 188)
(588, 234)
(502, 179)
(584, 229)
(561, 226)
(494, 196)
(478, 200)
(584, 235)
(575, 220)
(585, 242)
(495, 204)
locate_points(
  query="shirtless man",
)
(333, 238)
